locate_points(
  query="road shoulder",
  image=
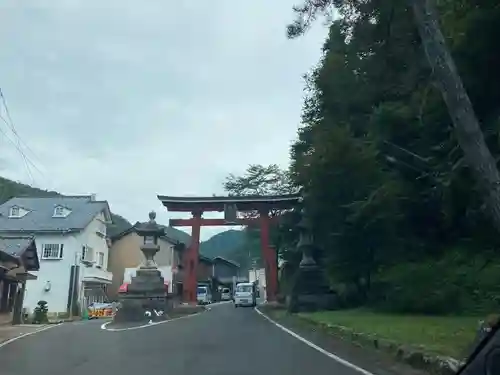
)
(11, 333)
(370, 360)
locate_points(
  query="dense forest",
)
(400, 217)
(10, 189)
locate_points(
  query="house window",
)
(52, 251)
(14, 212)
(59, 211)
(100, 259)
(87, 254)
(101, 230)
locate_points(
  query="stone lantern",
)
(310, 289)
(146, 296)
(306, 244)
(150, 232)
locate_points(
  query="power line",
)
(11, 126)
(25, 159)
(10, 123)
(18, 147)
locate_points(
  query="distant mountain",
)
(10, 189)
(240, 246)
(225, 244)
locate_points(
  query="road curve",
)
(223, 341)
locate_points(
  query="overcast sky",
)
(129, 99)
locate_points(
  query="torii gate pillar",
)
(190, 260)
(268, 256)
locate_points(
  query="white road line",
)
(28, 334)
(314, 346)
(104, 325)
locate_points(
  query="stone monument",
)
(310, 290)
(146, 297)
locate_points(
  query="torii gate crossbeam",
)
(198, 205)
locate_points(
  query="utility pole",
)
(74, 284)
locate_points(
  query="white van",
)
(203, 295)
(225, 294)
(244, 295)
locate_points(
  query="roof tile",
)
(41, 210)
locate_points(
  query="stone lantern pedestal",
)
(310, 290)
(146, 299)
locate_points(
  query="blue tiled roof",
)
(20, 247)
(15, 246)
(39, 219)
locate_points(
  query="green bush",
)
(348, 296)
(455, 284)
(40, 315)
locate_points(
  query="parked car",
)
(225, 294)
(203, 295)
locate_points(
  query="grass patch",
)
(446, 335)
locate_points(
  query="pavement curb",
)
(417, 357)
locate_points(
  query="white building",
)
(258, 275)
(70, 235)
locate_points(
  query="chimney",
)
(92, 197)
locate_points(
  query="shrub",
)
(40, 315)
(456, 283)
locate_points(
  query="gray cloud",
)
(128, 99)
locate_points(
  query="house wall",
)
(57, 272)
(89, 237)
(165, 257)
(98, 243)
(224, 270)
(53, 271)
(204, 271)
(96, 278)
(258, 275)
(126, 253)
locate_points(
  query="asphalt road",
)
(223, 341)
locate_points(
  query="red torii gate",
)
(230, 205)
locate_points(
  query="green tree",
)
(259, 180)
(389, 188)
(262, 181)
(445, 74)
